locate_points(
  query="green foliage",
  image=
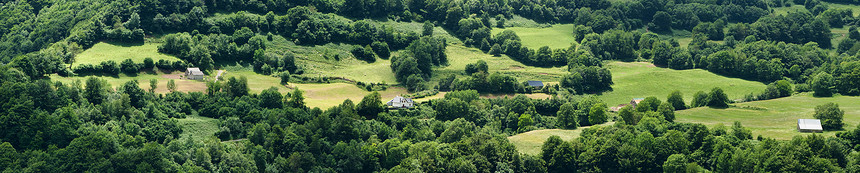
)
(676, 163)
(524, 122)
(171, 85)
(567, 116)
(370, 106)
(676, 99)
(717, 98)
(597, 114)
(821, 85)
(830, 116)
(271, 98)
(465, 95)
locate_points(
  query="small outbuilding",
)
(194, 73)
(400, 102)
(809, 125)
(636, 101)
(535, 84)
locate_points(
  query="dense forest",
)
(91, 126)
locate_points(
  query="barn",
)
(194, 74)
(809, 125)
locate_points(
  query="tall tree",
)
(370, 105)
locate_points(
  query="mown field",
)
(641, 79)
(459, 57)
(530, 142)
(775, 118)
(104, 51)
(556, 36)
(143, 79)
(316, 95)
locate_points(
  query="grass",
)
(775, 118)
(459, 57)
(530, 142)
(198, 128)
(143, 81)
(316, 95)
(104, 51)
(641, 79)
(556, 36)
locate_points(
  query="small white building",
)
(400, 102)
(809, 125)
(194, 74)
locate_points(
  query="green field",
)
(459, 57)
(143, 81)
(530, 142)
(198, 128)
(118, 52)
(775, 118)
(556, 37)
(316, 95)
(641, 79)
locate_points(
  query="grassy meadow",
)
(104, 51)
(775, 118)
(641, 79)
(556, 36)
(322, 95)
(143, 79)
(460, 56)
(531, 142)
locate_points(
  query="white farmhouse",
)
(400, 102)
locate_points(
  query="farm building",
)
(194, 74)
(809, 125)
(636, 101)
(400, 102)
(535, 84)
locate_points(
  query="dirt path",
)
(219, 74)
(235, 140)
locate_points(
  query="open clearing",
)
(530, 142)
(459, 57)
(142, 78)
(556, 37)
(118, 52)
(641, 79)
(775, 118)
(198, 128)
(322, 95)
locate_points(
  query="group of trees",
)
(128, 66)
(413, 67)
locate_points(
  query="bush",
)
(128, 66)
(285, 77)
(364, 53)
(830, 116)
(110, 67)
(148, 63)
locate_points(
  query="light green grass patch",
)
(530, 142)
(556, 37)
(118, 52)
(641, 79)
(786, 10)
(316, 95)
(459, 57)
(778, 119)
(198, 128)
(143, 79)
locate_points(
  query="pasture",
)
(775, 118)
(104, 51)
(143, 79)
(459, 57)
(530, 142)
(556, 36)
(642, 79)
(322, 95)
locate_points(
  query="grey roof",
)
(195, 71)
(535, 83)
(809, 124)
(400, 99)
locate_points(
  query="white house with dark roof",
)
(400, 102)
(809, 125)
(194, 73)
